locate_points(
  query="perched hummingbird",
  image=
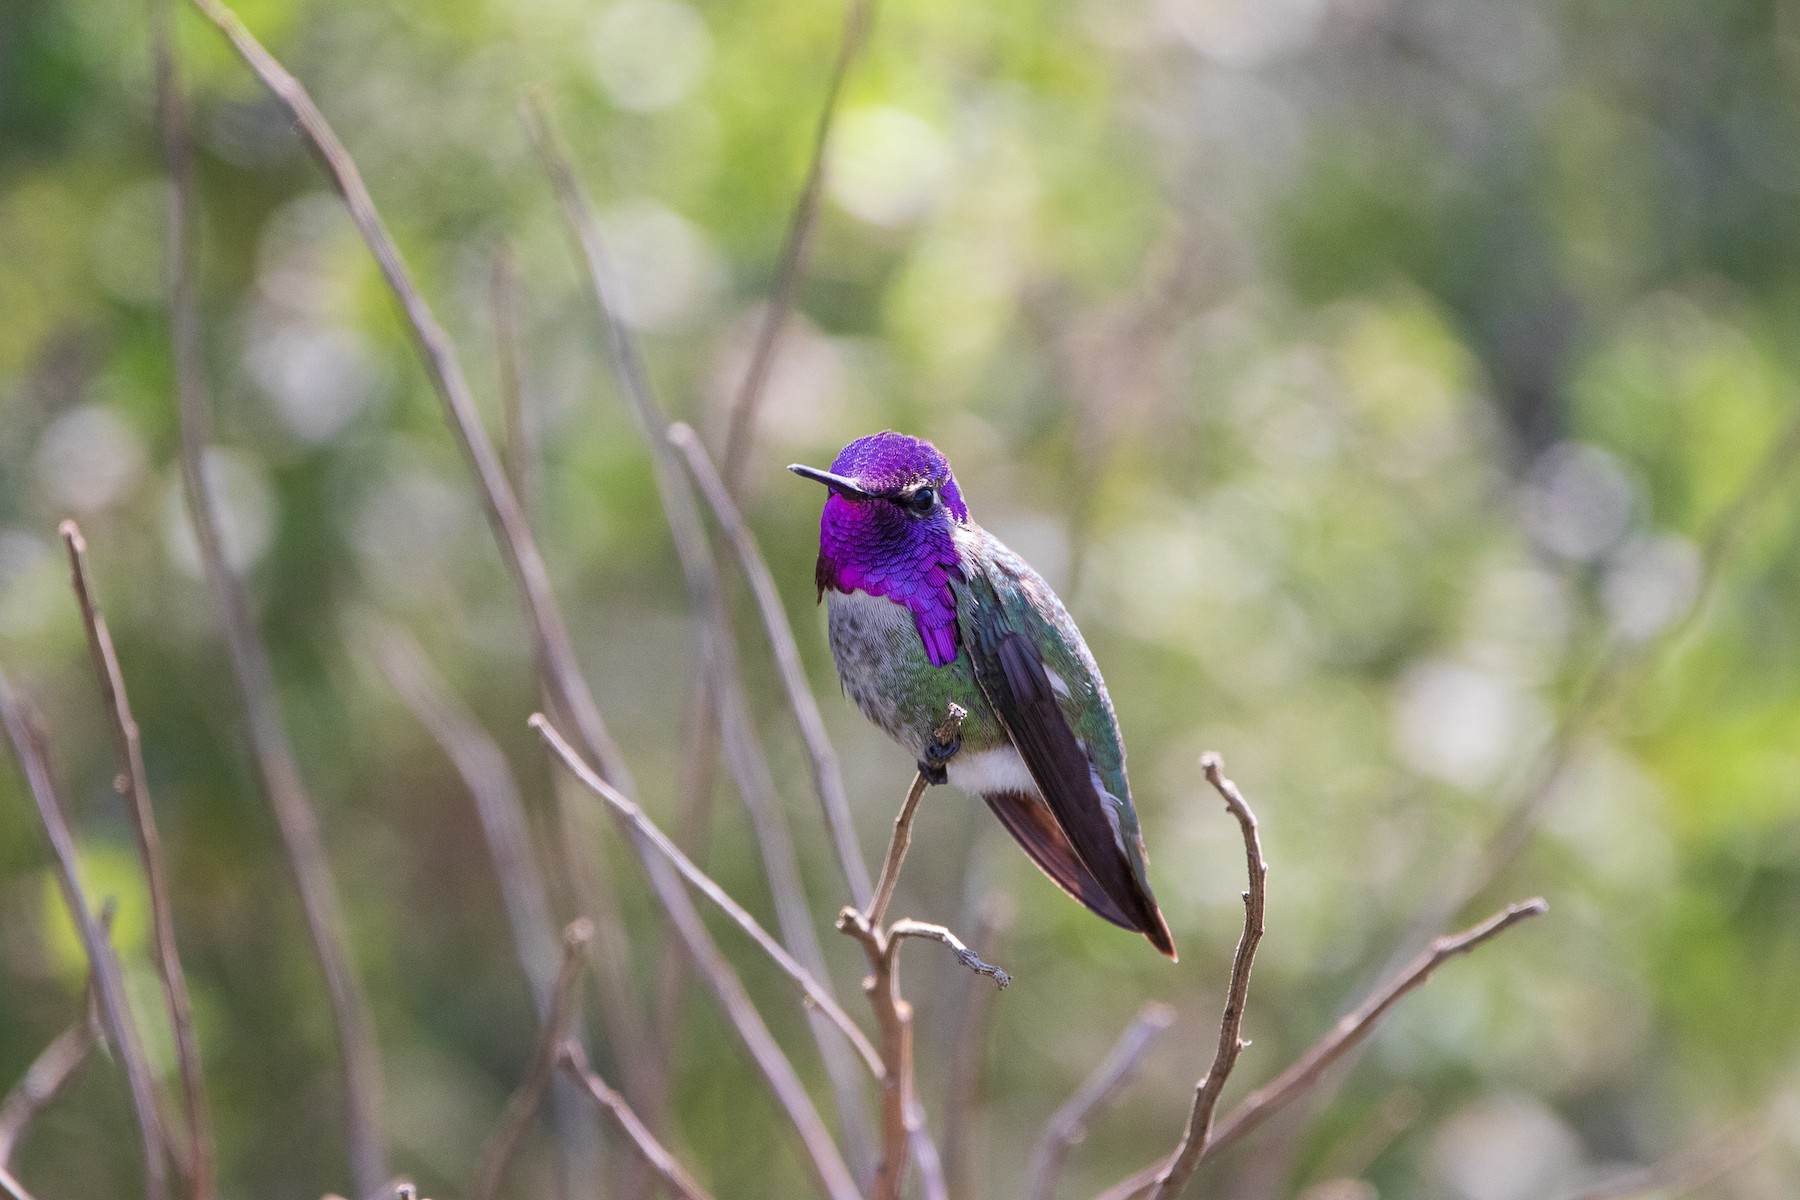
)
(925, 609)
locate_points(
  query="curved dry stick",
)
(1068, 1125)
(524, 1103)
(777, 1071)
(108, 980)
(665, 1164)
(128, 746)
(792, 263)
(1194, 1142)
(1343, 1037)
(273, 752)
(828, 779)
(815, 994)
(49, 1073)
(744, 753)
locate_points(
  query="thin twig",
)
(506, 518)
(792, 264)
(827, 777)
(906, 927)
(273, 752)
(1344, 1036)
(524, 1103)
(56, 1065)
(134, 784)
(11, 1188)
(743, 749)
(49, 1073)
(621, 804)
(901, 839)
(776, 1070)
(1206, 1093)
(902, 1116)
(109, 981)
(1068, 1125)
(572, 1060)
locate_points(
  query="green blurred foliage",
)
(1362, 372)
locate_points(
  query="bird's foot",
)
(934, 766)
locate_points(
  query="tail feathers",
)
(1034, 827)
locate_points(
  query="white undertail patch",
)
(980, 772)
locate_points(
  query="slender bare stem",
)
(524, 1103)
(1684, 1172)
(727, 988)
(438, 357)
(56, 1065)
(108, 979)
(270, 746)
(743, 749)
(657, 1156)
(11, 1188)
(620, 803)
(128, 747)
(1068, 1125)
(1344, 1036)
(902, 1116)
(901, 839)
(50, 1072)
(1194, 1141)
(906, 927)
(792, 264)
(827, 777)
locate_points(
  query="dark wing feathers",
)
(1032, 826)
(1011, 675)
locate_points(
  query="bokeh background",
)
(1389, 386)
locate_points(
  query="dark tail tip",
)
(1158, 936)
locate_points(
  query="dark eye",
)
(922, 501)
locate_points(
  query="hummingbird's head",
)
(889, 529)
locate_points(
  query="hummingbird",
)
(925, 609)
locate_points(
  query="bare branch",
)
(901, 838)
(792, 264)
(438, 357)
(1068, 1125)
(56, 1065)
(724, 981)
(572, 1060)
(827, 778)
(49, 1073)
(128, 747)
(1349, 1032)
(743, 750)
(1206, 1093)
(902, 1116)
(906, 927)
(524, 1103)
(11, 1188)
(109, 981)
(629, 811)
(270, 746)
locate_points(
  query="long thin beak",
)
(837, 483)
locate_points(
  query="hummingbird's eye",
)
(922, 501)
